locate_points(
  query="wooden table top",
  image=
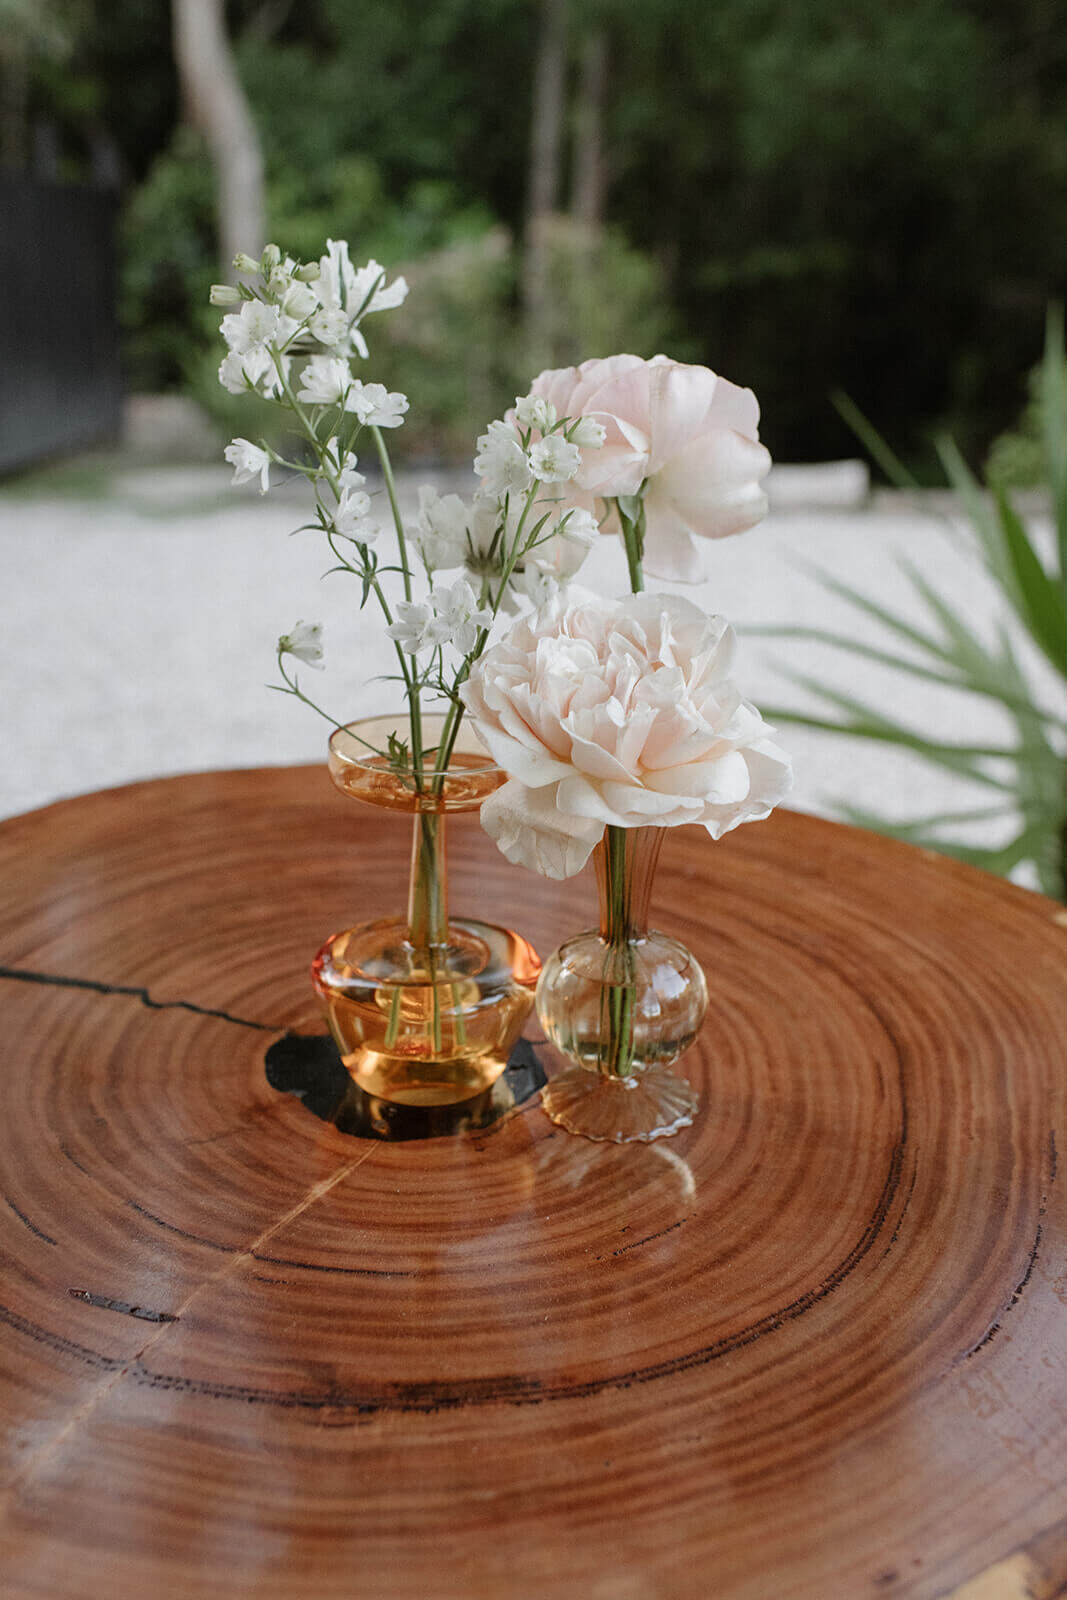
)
(814, 1346)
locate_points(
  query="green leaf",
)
(867, 724)
(1053, 392)
(980, 511)
(841, 641)
(999, 859)
(868, 435)
(1042, 604)
(922, 825)
(889, 619)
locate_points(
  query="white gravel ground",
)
(142, 621)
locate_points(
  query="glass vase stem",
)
(428, 884)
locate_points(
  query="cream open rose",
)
(689, 436)
(618, 712)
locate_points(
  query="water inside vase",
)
(430, 1026)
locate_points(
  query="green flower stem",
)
(428, 907)
(414, 704)
(633, 538)
(398, 521)
(619, 994)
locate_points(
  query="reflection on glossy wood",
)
(814, 1345)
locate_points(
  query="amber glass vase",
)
(424, 1008)
(622, 1002)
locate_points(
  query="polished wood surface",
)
(813, 1346)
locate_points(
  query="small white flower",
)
(441, 533)
(588, 434)
(457, 617)
(225, 294)
(341, 288)
(251, 328)
(580, 528)
(414, 626)
(375, 406)
(554, 460)
(299, 301)
(352, 519)
(248, 462)
(501, 462)
(343, 470)
(556, 558)
(384, 297)
(278, 369)
(305, 643)
(532, 411)
(536, 583)
(242, 370)
(329, 327)
(324, 381)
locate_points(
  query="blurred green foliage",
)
(1018, 781)
(804, 197)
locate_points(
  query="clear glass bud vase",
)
(622, 1002)
(425, 1009)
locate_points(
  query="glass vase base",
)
(429, 1027)
(652, 1104)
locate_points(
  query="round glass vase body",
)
(622, 1002)
(424, 1009)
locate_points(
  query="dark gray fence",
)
(60, 383)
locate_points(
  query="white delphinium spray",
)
(293, 337)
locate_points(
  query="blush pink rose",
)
(620, 712)
(690, 436)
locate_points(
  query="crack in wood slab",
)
(104, 1302)
(135, 992)
(118, 1368)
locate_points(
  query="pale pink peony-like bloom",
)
(690, 436)
(617, 712)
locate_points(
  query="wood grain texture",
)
(813, 1346)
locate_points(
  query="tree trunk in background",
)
(217, 106)
(587, 196)
(543, 188)
(587, 192)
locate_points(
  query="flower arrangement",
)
(656, 451)
(606, 715)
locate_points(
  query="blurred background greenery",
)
(807, 198)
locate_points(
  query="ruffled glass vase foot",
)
(424, 1009)
(622, 1002)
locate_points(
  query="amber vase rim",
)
(356, 755)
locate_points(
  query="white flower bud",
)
(587, 434)
(244, 263)
(270, 258)
(224, 294)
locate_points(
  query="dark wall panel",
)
(60, 382)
